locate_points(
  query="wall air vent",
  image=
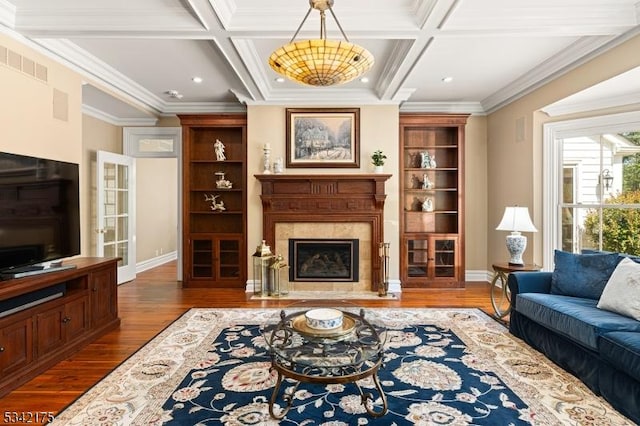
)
(23, 64)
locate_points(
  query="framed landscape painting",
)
(323, 137)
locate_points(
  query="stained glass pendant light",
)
(321, 62)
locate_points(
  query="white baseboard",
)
(156, 261)
(479, 275)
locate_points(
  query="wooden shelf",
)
(432, 241)
(214, 242)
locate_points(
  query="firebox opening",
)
(323, 260)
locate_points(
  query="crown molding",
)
(579, 52)
(576, 55)
(563, 108)
(7, 14)
(89, 66)
(474, 108)
(171, 108)
(117, 121)
(403, 95)
(326, 96)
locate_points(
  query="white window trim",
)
(132, 135)
(552, 165)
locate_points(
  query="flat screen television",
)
(39, 211)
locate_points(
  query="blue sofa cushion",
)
(576, 318)
(582, 275)
(622, 350)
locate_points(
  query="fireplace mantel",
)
(334, 198)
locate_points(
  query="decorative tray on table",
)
(302, 325)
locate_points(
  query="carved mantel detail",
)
(330, 198)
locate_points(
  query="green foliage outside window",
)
(620, 227)
(631, 165)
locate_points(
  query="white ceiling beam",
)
(7, 14)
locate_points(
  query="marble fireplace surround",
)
(327, 206)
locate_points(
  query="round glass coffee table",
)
(345, 354)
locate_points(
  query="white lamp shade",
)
(516, 219)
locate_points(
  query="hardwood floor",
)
(153, 301)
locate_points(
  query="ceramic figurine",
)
(222, 183)
(427, 205)
(219, 148)
(432, 163)
(215, 206)
(426, 183)
(278, 165)
(425, 160)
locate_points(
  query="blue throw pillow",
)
(582, 275)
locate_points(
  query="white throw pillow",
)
(622, 292)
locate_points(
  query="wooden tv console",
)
(34, 339)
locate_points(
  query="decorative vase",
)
(378, 169)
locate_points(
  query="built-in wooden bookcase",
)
(214, 241)
(432, 207)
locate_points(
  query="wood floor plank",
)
(152, 302)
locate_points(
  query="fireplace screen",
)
(323, 260)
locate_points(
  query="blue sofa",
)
(600, 347)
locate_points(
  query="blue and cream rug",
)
(441, 367)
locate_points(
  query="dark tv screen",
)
(39, 210)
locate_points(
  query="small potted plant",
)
(377, 158)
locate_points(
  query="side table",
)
(500, 293)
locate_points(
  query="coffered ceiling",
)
(493, 50)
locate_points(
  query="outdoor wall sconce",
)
(607, 179)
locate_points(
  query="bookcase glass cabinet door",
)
(432, 257)
(216, 258)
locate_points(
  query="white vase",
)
(378, 169)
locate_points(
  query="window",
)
(592, 190)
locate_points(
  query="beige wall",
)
(515, 167)
(97, 135)
(27, 116)
(475, 194)
(156, 207)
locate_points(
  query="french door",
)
(116, 216)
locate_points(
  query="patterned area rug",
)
(441, 367)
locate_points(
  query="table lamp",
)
(517, 220)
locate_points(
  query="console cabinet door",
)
(104, 306)
(61, 324)
(16, 347)
(49, 330)
(76, 319)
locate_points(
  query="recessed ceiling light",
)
(447, 79)
(280, 79)
(364, 80)
(197, 79)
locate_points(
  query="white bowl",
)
(324, 318)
